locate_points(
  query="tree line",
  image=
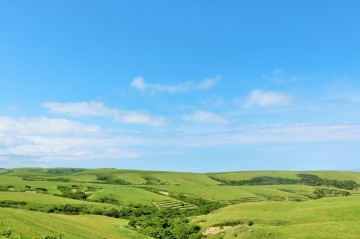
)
(306, 179)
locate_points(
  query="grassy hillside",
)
(29, 224)
(324, 218)
(279, 204)
(246, 175)
(243, 193)
(154, 177)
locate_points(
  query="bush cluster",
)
(6, 234)
(68, 193)
(111, 180)
(165, 223)
(307, 179)
(108, 200)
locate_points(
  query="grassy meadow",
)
(112, 203)
(323, 218)
(30, 224)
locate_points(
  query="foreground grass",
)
(324, 218)
(272, 208)
(29, 224)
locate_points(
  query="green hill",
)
(28, 224)
(114, 203)
(324, 218)
(246, 175)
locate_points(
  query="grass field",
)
(324, 218)
(241, 193)
(43, 198)
(277, 211)
(29, 224)
(127, 194)
(166, 178)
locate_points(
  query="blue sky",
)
(180, 85)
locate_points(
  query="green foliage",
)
(66, 209)
(325, 192)
(108, 200)
(7, 172)
(112, 213)
(174, 204)
(307, 179)
(111, 180)
(68, 193)
(65, 170)
(166, 223)
(136, 210)
(32, 178)
(58, 179)
(11, 203)
(59, 236)
(203, 206)
(6, 234)
(173, 223)
(151, 180)
(314, 180)
(264, 180)
(6, 187)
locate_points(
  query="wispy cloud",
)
(45, 126)
(201, 116)
(278, 76)
(269, 134)
(42, 139)
(91, 108)
(98, 109)
(267, 98)
(140, 84)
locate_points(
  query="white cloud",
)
(43, 125)
(267, 98)
(270, 134)
(140, 84)
(208, 83)
(278, 76)
(41, 139)
(201, 116)
(93, 108)
(137, 117)
(35, 140)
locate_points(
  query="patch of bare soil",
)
(164, 193)
(31, 191)
(215, 230)
(155, 204)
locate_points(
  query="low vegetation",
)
(306, 179)
(145, 204)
